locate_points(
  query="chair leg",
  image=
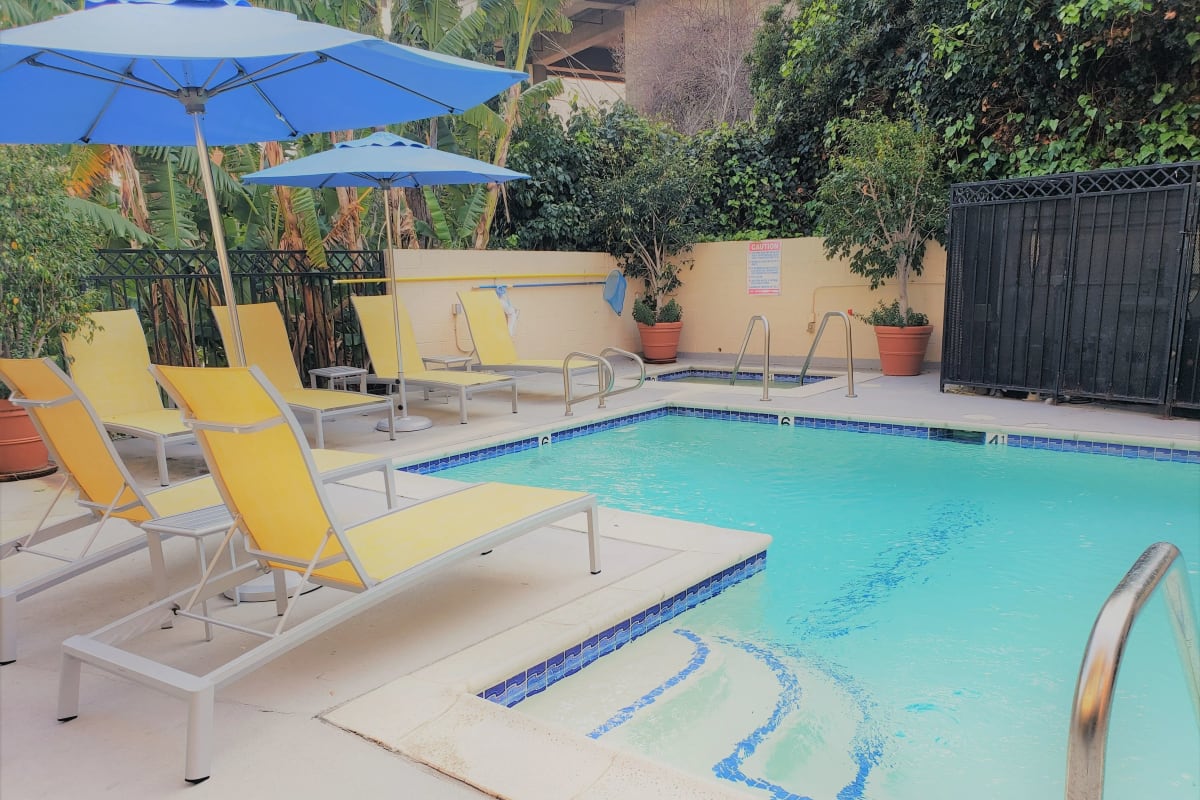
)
(389, 483)
(281, 592)
(593, 524)
(514, 392)
(160, 448)
(462, 405)
(320, 423)
(68, 688)
(8, 628)
(158, 569)
(198, 766)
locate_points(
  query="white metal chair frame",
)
(101, 648)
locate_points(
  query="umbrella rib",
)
(449, 108)
(102, 74)
(292, 131)
(244, 78)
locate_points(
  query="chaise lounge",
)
(264, 470)
(80, 446)
(266, 345)
(112, 369)
(377, 317)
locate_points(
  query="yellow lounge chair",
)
(376, 316)
(266, 344)
(79, 444)
(258, 456)
(494, 345)
(113, 372)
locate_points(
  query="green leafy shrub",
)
(892, 316)
(883, 199)
(647, 207)
(643, 314)
(45, 253)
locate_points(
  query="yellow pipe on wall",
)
(433, 278)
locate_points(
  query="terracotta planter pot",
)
(22, 454)
(660, 342)
(902, 350)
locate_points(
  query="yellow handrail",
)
(431, 278)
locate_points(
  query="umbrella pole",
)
(405, 423)
(238, 357)
(262, 588)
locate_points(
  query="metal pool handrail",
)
(605, 375)
(1090, 712)
(849, 350)
(766, 354)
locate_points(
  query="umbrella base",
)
(262, 588)
(406, 424)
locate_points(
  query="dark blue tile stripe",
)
(541, 675)
(854, 426)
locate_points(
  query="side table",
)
(339, 377)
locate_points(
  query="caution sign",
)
(763, 261)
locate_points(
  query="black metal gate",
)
(1082, 285)
(174, 291)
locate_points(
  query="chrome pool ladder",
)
(1162, 565)
(606, 377)
(766, 378)
(845, 318)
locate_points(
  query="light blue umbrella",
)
(183, 72)
(385, 161)
(382, 160)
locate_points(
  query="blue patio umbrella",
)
(184, 72)
(385, 161)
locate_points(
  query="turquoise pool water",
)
(919, 627)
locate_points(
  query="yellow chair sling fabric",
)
(79, 444)
(113, 372)
(376, 316)
(265, 472)
(265, 341)
(494, 345)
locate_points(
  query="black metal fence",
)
(1081, 285)
(174, 291)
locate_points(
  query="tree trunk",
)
(483, 229)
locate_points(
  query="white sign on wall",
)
(763, 261)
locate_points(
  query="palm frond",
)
(305, 208)
(170, 200)
(109, 221)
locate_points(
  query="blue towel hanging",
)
(614, 291)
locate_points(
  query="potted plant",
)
(45, 252)
(883, 199)
(647, 211)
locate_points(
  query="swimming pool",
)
(918, 630)
(720, 377)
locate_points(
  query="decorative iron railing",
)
(174, 290)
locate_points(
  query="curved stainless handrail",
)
(1088, 738)
(605, 375)
(766, 354)
(849, 350)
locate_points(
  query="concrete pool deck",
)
(385, 704)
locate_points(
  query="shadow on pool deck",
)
(420, 650)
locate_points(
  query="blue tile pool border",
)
(1027, 441)
(538, 677)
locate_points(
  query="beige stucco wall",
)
(717, 307)
(553, 320)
